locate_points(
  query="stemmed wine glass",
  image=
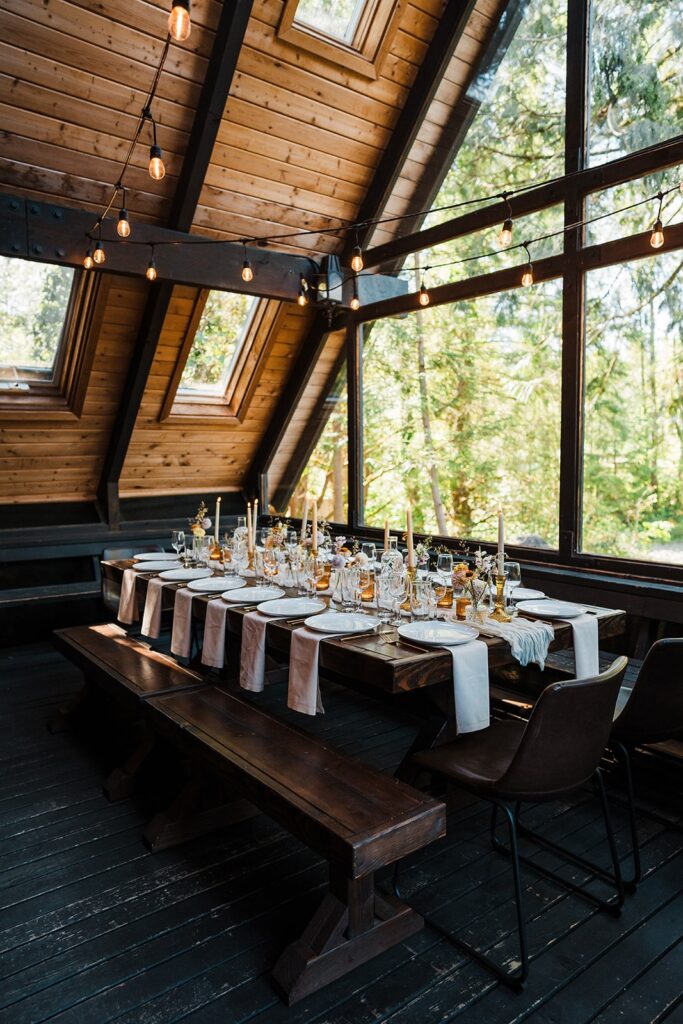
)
(513, 578)
(444, 567)
(370, 551)
(178, 542)
(397, 590)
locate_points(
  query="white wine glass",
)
(178, 541)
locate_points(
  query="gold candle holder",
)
(411, 574)
(368, 583)
(499, 614)
(250, 559)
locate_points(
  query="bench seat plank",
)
(352, 814)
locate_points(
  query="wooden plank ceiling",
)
(297, 146)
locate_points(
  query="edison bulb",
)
(505, 234)
(98, 255)
(302, 300)
(357, 260)
(179, 25)
(156, 164)
(88, 261)
(657, 236)
(355, 302)
(528, 277)
(423, 297)
(151, 272)
(247, 272)
(123, 225)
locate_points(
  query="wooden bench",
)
(130, 673)
(354, 816)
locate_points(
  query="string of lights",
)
(179, 28)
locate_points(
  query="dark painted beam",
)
(227, 44)
(291, 395)
(449, 30)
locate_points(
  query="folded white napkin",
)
(128, 612)
(151, 617)
(529, 641)
(586, 646)
(181, 636)
(253, 652)
(471, 685)
(304, 692)
(213, 644)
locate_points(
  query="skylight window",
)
(34, 302)
(222, 330)
(336, 18)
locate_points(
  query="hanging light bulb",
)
(303, 288)
(123, 224)
(247, 272)
(657, 236)
(357, 259)
(156, 163)
(355, 301)
(423, 295)
(505, 234)
(179, 25)
(88, 261)
(151, 272)
(98, 254)
(528, 274)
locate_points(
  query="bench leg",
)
(189, 817)
(120, 783)
(353, 924)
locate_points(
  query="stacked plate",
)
(156, 566)
(342, 622)
(216, 584)
(549, 609)
(294, 606)
(438, 634)
(253, 595)
(156, 556)
(183, 575)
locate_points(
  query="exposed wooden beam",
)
(591, 179)
(227, 44)
(51, 233)
(449, 30)
(290, 396)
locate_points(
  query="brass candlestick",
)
(411, 575)
(499, 614)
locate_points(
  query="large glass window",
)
(633, 447)
(34, 300)
(636, 64)
(222, 329)
(461, 414)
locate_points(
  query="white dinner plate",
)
(292, 606)
(156, 556)
(549, 609)
(182, 575)
(253, 595)
(342, 622)
(155, 566)
(526, 594)
(216, 584)
(438, 634)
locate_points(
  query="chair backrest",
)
(654, 711)
(110, 590)
(565, 736)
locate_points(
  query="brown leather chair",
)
(554, 753)
(652, 713)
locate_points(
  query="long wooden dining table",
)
(381, 664)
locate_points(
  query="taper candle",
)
(304, 520)
(501, 542)
(314, 529)
(409, 537)
(217, 524)
(254, 522)
(250, 536)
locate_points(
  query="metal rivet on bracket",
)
(37, 249)
(33, 209)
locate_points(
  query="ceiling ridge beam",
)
(427, 80)
(227, 44)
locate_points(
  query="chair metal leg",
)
(611, 906)
(624, 759)
(513, 979)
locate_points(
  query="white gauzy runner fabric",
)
(181, 637)
(529, 641)
(128, 604)
(304, 691)
(471, 685)
(253, 653)
(213, 644)
(151, 618)
(586, 646)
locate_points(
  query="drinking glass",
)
(314, 569)
(420, 595)
(178, 542)
(370, 550)
(350, 589)
(271, 564)
(385, 598)
(444, 566)
(513, 577)
(291, 539)
(205, 550)
(397, 589)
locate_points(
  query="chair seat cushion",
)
(478, 759)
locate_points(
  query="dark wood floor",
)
(95, 929)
